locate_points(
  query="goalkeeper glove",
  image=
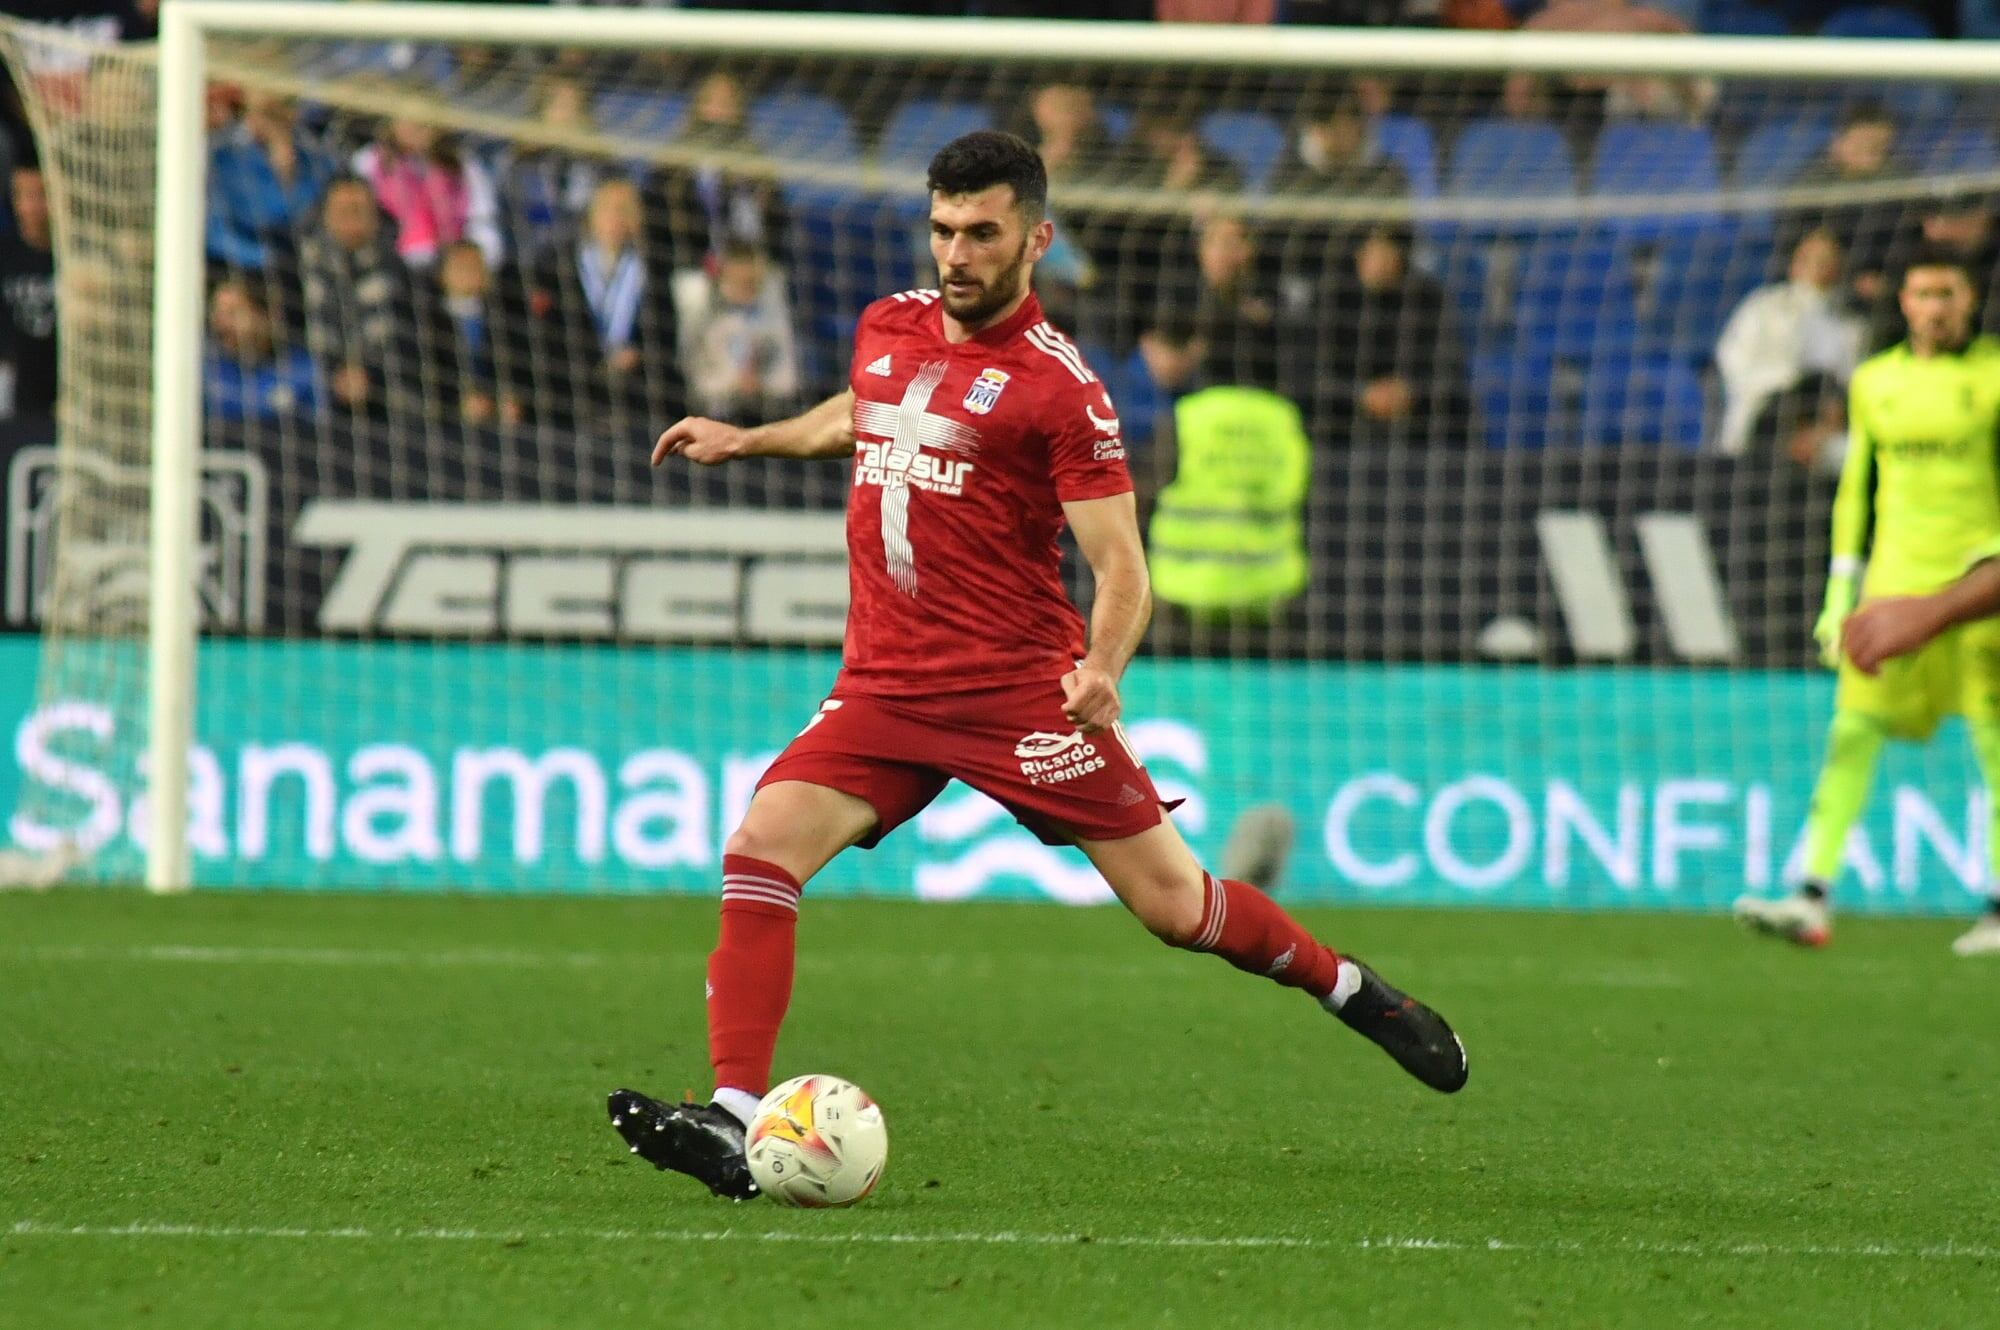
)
(1842, 590)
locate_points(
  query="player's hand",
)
(701, 440)
(1090, 699)
(1841, 593)
(1884, 629)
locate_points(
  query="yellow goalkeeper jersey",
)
(1923, 462)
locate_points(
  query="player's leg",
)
(1853, 746)
(1983, 938)
(1159, 880)
(790, 831)
(830, 789)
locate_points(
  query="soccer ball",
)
(817, 1141)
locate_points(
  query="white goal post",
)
(187, 25)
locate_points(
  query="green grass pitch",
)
(290, 1111)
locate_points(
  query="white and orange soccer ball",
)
(817, 1141)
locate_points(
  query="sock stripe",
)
(780, 899)
(744, 880)
(1216, 906)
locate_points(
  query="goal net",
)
(1484, 424)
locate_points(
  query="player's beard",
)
(978, 309)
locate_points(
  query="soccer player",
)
(977, 432)
(1923, 418)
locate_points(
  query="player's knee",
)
(751, 841)
(1170, 912)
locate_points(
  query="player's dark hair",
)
(1937, 256)
(985, 158)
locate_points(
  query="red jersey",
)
(964, 455)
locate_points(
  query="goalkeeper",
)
(1923, 471)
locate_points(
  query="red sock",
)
(1249, 930)
(750, 971)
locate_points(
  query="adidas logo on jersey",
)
(879, 365)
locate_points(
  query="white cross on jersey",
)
(906, 430)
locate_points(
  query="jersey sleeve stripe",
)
(922, 296)
(1069, 349)
(1043, 339)
(1053, 342)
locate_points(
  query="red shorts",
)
(1012, 743)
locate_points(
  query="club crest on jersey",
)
(984, 393)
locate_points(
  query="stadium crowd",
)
(406, 274)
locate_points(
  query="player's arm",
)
(1851, 503)
(1107, 531)
(1897, 625)
(825, 431)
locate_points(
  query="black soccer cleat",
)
(704, 1141)
(1406, 1030)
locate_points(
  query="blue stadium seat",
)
(919, 127)
(1643, 402)
(794, 125)
(1644, 158)
(1517, 399)
(1251, 139)
(1654, 157)
(1744, 20)
(1966, 148)
(1116, 119)
(1510, 159)
(1690, 282)
(1574, 297)
(653, 115)
(1877, 21)
(1775, 151)
(878, 253)
(1407, 141)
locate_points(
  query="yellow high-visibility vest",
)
(1229, 532)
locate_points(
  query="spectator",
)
(1784, 332)
(1583, 102)
(264, 180)
(246, 376)
(1808, 421)
(544, 189)
(1220, 327)
(1333, 157)
(608, 309)
(739, 355)
(28, 291)
(356, 295)
(1368, 13)
(1170, 155)
(1136, 254)
(1215, 11)
(435, 195)
(1061, 121)
(1860, 153)
(705, 207)
(1614, 16)
(1389, 365)
(471, 356)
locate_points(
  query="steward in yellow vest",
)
(1229, 532)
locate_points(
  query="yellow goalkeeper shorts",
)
(1958, 674)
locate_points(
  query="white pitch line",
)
(31, 1228)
